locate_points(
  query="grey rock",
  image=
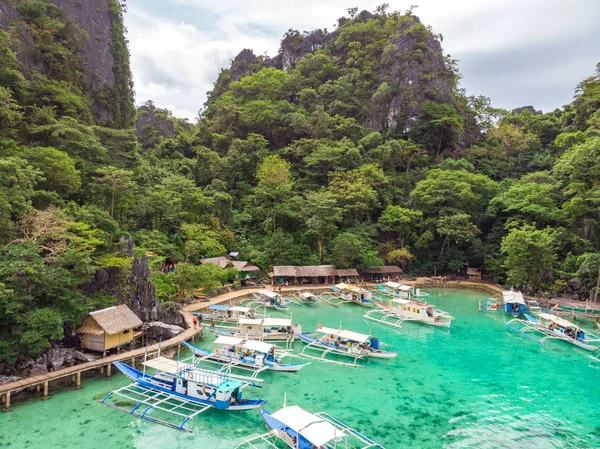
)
(8, 379)
(156, 329)
(141, 291)
(168, 313)
(37, 370)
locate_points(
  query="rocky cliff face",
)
(409, 69)
(103, 55)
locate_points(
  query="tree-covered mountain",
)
(355, 147)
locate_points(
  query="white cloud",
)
(178, 47)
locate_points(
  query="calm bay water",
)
(475, 385)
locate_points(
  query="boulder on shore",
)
(156, 329)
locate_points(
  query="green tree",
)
(530, 255)
(323, 216)
(456, 228)
(401, 221)
(274, 181)
(116, 182)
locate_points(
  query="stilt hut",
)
(348, 275)
(108, 328)
(380, 274)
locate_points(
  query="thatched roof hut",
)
(108, 328)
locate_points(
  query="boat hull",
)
(157, 384)
(246, 362)
(344, 350)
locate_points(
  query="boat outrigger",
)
(345, 294)
(326, 341)
(401, 310)
(300, 429)
(396, 290)
(256, 356)
(181, 390)
(552, 327)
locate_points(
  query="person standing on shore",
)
(195, 321)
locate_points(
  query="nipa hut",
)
(108, 328)
(245, 270)
(474, 274)
(378, 274)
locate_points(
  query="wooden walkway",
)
(76, 370)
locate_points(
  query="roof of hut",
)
(383, 270)
(224, 262)
(347, 272)
(305, 271)
(111, 320)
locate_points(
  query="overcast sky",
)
(517, 52)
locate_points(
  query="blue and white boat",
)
(511, 302)
(256, 356)
(346, 294)
(265, 329)
(268, 299)
(225, 314)
(328, 341)
(300, 429)
(546, 327)
(182, 390)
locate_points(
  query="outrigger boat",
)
(326, 341)
(222, 314)
(345, 293)
(401, 310)
(256, 356)
(396, 290)
(511, 302)
(270, 329)
(181, 390)
(589, 312)
(268, 299)
(300, 429)
(552, 327)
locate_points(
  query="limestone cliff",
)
(93, 31)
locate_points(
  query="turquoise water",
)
(474, 385)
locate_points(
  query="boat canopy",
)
(405, 288)
(240, 309)
(313, 428)
(392, 284)
(560, 321)
(227, 340)
(307, 295)
(250, 321)
(163, 364)
(341, 286)
(277, 322)
(347, 335)
(401, 300)
(513, 297)
(268, 293)
(258, 346)
(356, 289)
(218, 307)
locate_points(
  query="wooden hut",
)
(313, 274)
(108, 328)
(245, 270)
(384, 273)
(347, 275)
(474, 274)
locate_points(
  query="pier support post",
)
(6, 407)
(102, 370)
(78, 380)
(45, 394)
(38, 387)
(108, 370)
(133, 361)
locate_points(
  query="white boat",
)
(328, 341)
(299, 429)
(222, 314)
(511, 302)
(552, 327)
(265, 329)
(401, 310)
(396, 290)
(268, 299)
(256, 356)
(346, 293)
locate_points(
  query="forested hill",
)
(354, 147)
